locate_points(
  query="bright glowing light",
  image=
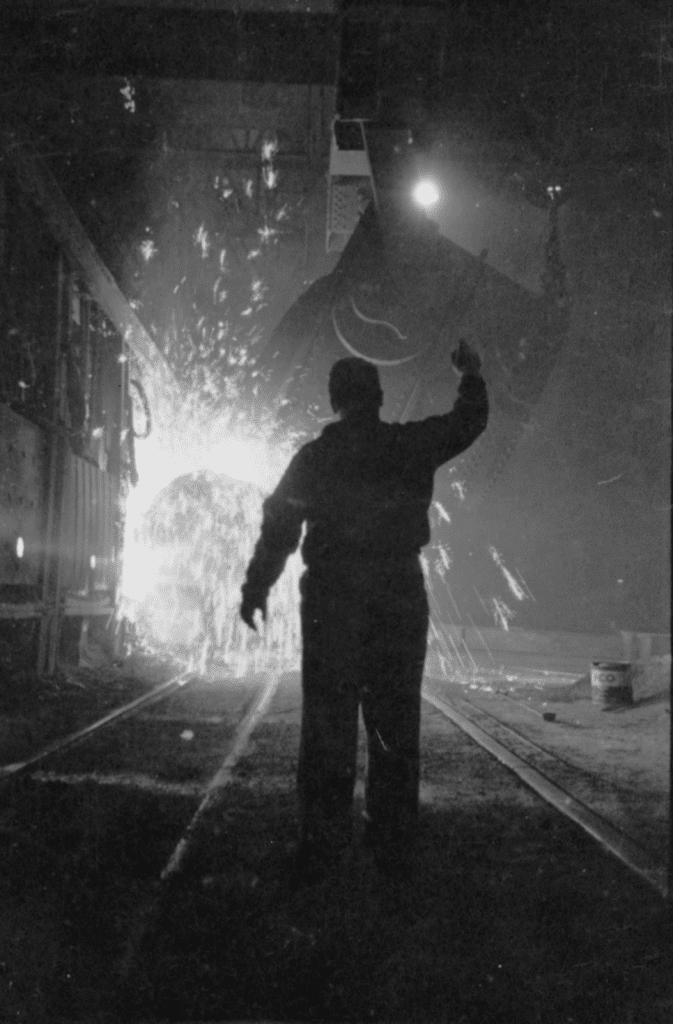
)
(141, 569)
(182, 592)
(426, 193)
(248, 461)
(19, 547)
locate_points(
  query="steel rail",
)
(527, 740)
(159, 693)
(612, 839)
(223, 775)
(176, 861)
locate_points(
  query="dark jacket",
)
(363, 488)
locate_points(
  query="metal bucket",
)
(611, 683)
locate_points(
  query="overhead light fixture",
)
(426, 193)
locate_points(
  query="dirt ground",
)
(621, 751)
(513, 914)
(35, 711)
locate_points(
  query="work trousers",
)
(364, 630)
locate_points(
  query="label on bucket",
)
(611, 679)
(608, 679)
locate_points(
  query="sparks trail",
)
(551, 777)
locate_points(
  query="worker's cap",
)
(354, 383)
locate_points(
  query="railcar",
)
(68, 368)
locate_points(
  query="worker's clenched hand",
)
(465, 359)
(250, 604)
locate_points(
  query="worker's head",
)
(354, 386)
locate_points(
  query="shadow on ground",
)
(511, 917)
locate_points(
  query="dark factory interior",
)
(206, 205)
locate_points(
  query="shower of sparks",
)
(269, 149)
(502, 613)
(443, 514)
(258, 290)
(270, 176)
(443, 563)
(266, 233)
(223, 186)
(128, 92)
(201, 239)
(451, 598)
(481, 638)
(191, 524)
(459, 488)
(525, 586)
(148, 249)
(611, 480)
(482, 602)
(512, 583)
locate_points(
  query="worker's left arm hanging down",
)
(283, 515)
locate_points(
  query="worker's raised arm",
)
(441, 438)
(283, 513)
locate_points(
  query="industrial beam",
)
(37, 181)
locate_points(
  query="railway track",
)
(552, 778)
(160, 746)
(545, 772)
(154, 696)
(179, 784)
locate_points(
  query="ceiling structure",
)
(209, 81)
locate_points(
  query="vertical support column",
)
(50, 621)
(316, 127)
(670, 817)
(115, 626)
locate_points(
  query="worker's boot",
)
(393, 849)
(321, 850)
(310, 867)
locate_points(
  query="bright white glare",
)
(426, 193)
(191, 443)
(141, 570)
(248, 461)
(92, 561)
(19, 547)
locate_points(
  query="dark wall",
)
(175, 43)
(582, 507)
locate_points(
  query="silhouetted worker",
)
(363, 488)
